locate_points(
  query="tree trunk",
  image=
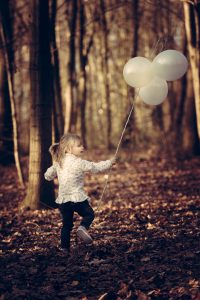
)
(6, 37)
(83, 56)
(189, 127)
(180, 107)
(21, 56)
(157, 114)
(83, 75)
(131, 127)
(106, 71)
(6, 140)
(57, 106)
(71, 109)
(192, 27)
(40, 191)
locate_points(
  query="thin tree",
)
(105, 32)
(6, 38)
(57, 105)
(6, 141)
(130, 131)
(20, 26)
(71, 104)
(192, 27)
(189, 134)
(84, 50)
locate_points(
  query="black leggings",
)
(67, 211)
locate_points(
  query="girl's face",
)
(77, 149)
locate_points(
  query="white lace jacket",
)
(71, 176)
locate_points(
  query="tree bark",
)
(71, 104)
(106, 71)
(84, 51)
(131, 127)
(180, 107)
(21, 55)
(192, 27)
(40, 191)
(6, 37)
(57, 105)
(190, 145)
(83, 75)
(6, 140)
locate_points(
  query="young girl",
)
(70, 170)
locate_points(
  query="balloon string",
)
(125, 126)
(118, 146)
(127, 121)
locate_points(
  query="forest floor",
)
(146, 237)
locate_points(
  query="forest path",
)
(146, 238)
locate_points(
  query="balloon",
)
(138, 71)
(155, 92)
(170, 65)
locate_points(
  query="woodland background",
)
(61, 64)
(61, 70)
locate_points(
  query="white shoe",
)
(84, 235)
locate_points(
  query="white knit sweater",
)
(71, 176)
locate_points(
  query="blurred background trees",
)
(70, 69)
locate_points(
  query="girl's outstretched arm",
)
(89, 166)
(50, 173)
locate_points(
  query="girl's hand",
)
(113, 160)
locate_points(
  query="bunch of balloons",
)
(152, 77)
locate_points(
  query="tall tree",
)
(39, 190)
(7, 42)
(192, 27)
(20, 25)
(6, 141)
(106, 70)
(189, 132)
(71, 104)
(84, 50)
(130, 131)
(57, 105)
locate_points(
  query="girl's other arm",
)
(89, 166)
(50, 173)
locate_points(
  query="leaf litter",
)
(146, 238)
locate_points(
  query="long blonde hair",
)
(58, 150)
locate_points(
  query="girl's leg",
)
(85, 210)
(67, 213)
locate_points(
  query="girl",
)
(70, 169)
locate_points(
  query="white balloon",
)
(170, 65)
(138, 71)
(155, 92)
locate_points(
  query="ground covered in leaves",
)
(146, 238)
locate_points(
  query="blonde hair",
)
(58, 150)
